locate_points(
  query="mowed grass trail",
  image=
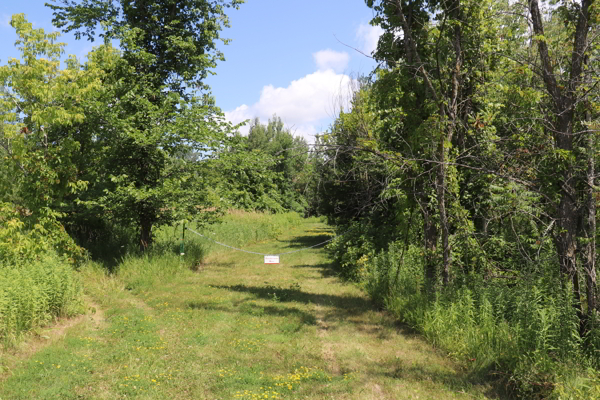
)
(237, 329)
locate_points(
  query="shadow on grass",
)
(348, 309)
(460, 381)
(307, 240)
(346, 305)
(325, 269)
(246, 307)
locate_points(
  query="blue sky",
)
(285, 57)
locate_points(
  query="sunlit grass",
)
(237, 329)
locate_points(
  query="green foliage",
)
(469, 181)
(149, 117)
(526, 329)
(352, 251)
(23, 238)
(246, 179)
(35, 293)
(268, 170)
(179, 37)
(37, 277)
(37, 257)
(39, 98)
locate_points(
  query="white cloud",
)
(305, 106)
(367, 36)
(330, 59)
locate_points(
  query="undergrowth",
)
(523, 333)
(38, 281)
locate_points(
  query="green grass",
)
(235, 329)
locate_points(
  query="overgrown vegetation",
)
(463, 177)
(465, 171)
(37, 277)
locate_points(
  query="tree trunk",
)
(145, 233)
(430, 234)
(446, 140)
(564, 101)
(589, 262)
(448, 107)
(441, 198)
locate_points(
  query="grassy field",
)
(234, 329)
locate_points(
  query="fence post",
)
(181, 249)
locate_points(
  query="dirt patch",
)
(377, 392)
(95, 314)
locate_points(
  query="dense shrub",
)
(37, 277)
(24, 239)
(352, 252)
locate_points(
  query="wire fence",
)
(264, 254)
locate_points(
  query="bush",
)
(37, 277)
(32, 295)
(23, 239)
(352, 252)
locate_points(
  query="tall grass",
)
(523, 332)
(34, 294)
(36, 284)
(163, 260)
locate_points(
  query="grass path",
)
(238, 329)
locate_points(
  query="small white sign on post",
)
(271, 259)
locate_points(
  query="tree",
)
(564, 90)
(151, 114)
(179, 35)
(427, 105)
(266, 170)
(38, 170)
(291, 155)
(38, 98)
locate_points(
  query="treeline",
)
(466, 174)
(267, 170)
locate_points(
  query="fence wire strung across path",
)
(264, 254)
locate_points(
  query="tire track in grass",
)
(327, 348)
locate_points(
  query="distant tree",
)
(291, 155)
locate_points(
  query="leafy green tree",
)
(179, 37)
(291, 155)
(38, 98)
(246, 179)
(266, 170)
(150, 117)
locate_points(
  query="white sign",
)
(271, 259)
